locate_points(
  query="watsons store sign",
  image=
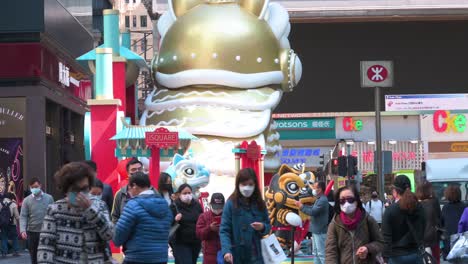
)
(305, 123)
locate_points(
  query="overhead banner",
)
(426, 102)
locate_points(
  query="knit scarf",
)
(351, 223)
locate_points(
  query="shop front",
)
(401, 144)
(12, 148)
(43, 93)
(446, 137)
(304, 140)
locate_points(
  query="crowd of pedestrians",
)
(147, 223)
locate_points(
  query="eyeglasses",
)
(349, 200)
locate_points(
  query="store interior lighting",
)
(392, 142)
(349, 142)
(371, 142)
(414, 141)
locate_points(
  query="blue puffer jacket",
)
(237, 236)
(143, 229)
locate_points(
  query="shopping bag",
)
(272, 252)
(459, 249)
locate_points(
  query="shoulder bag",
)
(426, 257)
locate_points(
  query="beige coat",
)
(342, 244)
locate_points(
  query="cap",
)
(217, 201)
(402, 182)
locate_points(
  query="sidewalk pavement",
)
(22, 259)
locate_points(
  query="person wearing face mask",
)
(33, 211)
(208, 229)
(375, 207)
(244, 222)
(185, 244)
(403, 225)
(165, 187)
(144, 226)
(353, 236)
(75, 227)
(318, 220)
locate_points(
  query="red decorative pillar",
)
(131, 103)
(251, 156)
(161, 138)
(103, 118)
(118, 80)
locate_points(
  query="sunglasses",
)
(349, 200)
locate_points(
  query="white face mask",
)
(98, 197)
(314, 192)
(247, 191)
(186, 198)
(348, 208)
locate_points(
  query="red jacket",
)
(210, 239)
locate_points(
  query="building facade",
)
(43, 91)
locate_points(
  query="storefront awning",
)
(445, 170)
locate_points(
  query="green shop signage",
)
(299, 129)
(291, 124)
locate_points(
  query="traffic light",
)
(334, 164)
(352, 166)
(342, 166)
(322, 160)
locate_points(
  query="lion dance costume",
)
(286, 188)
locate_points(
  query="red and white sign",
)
(162, 138)
(376, 73)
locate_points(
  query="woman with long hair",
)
(186, 209)
(431, 206)
(353, 235)
(165, 187)
(403, 225)
(244, 222)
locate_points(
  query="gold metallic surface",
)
(103, 50)
(181, 7)
(97, 101)
(255, 7)
(211, 36)
(110, 12)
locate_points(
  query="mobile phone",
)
(217, 219)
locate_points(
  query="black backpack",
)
(5, 214)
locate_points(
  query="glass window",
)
(134, 1)
(134, 20)
(143, 22)
(127, 21)
(127, 1)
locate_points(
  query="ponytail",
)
(408, 201)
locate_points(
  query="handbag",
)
(426, 257)
(459, 249)
(272, 252)
(173, 230)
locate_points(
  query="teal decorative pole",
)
(111, 29)
(104, 83)
(126, 38)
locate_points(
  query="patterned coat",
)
(73, 235)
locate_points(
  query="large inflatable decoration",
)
(221, 69)
(286, 188)
(186, 170)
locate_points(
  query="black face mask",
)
(167, 187)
